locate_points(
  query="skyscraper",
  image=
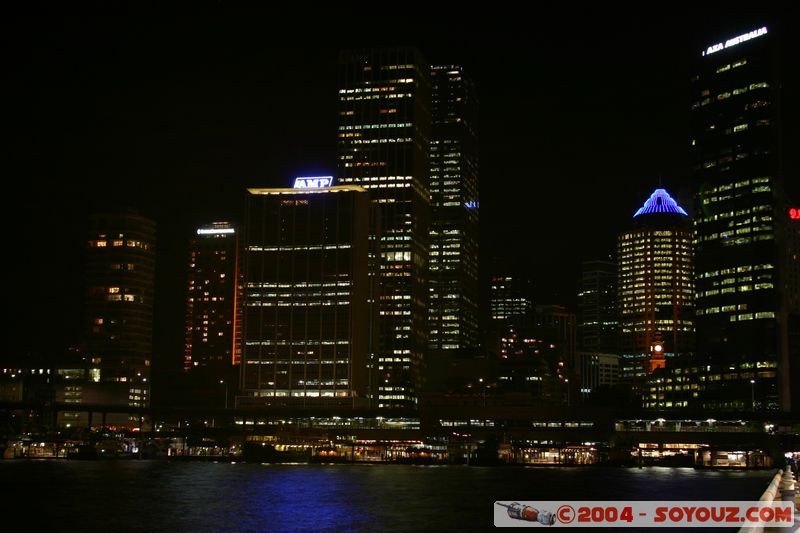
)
(453, 311)
(509, 298)
(740, 222)
(309, 313)
(656, 287)
(383, 146)
(213, 315)
(119, 274)
(598, 314)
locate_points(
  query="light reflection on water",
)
(129, 495)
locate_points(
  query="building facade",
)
(744, 305)
(383, 146)
(656, 287)
(310, 289)
(453, 308)
(212, 348)
(598, 314)
(538, 356)
(597, 370)
(118, 311)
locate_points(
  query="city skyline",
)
(121, 121)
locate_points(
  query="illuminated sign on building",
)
(215, 231)
(794, 213)
(736, 40)
(316, 182)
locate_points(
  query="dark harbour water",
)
(148, 496)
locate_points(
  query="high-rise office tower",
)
(212, 347)
(509, 298)
(119, 274)
(453, 311)
(656, 287)
(598, 315)
(383, 145)
(744, 305)
(310, 287)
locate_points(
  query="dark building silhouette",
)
(453, 311)
(538, 357)
(118, 310)
(383, 145)
(212, 349)
(598, 313)
(745, 304)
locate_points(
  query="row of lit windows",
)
(297, 294)
(121, 298)
(730, 308)
(644, 244)
(386, 186)
(725, 159)
(383, 140)
(287, 362)
(284, 303)
(376, 126)
(740, 231)
(735, 92)
(302, 393)
(738, 269)
(738, 184)
(660, 258)
(375, 89)
(741, 288)
(722, 198)
(298, 248)
(665, 238)
(131, 243)
(300, 284)
(729, 66)
(373, 97)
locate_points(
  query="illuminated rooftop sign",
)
(215, 231)
(660, 202)
(794, 213)
(736, 40)
(315, 182)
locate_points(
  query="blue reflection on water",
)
(123, 496)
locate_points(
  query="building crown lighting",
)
(660, 202)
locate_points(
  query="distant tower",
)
(656, 287)
(509, 298)
(119, 274)
(383, 145)
(310, 295)
(598, 313)
(453, 311)
(213, 314)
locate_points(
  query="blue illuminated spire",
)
(660, 202)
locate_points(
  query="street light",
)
(753, 393)
(223, 382)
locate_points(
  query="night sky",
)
(175, 115)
